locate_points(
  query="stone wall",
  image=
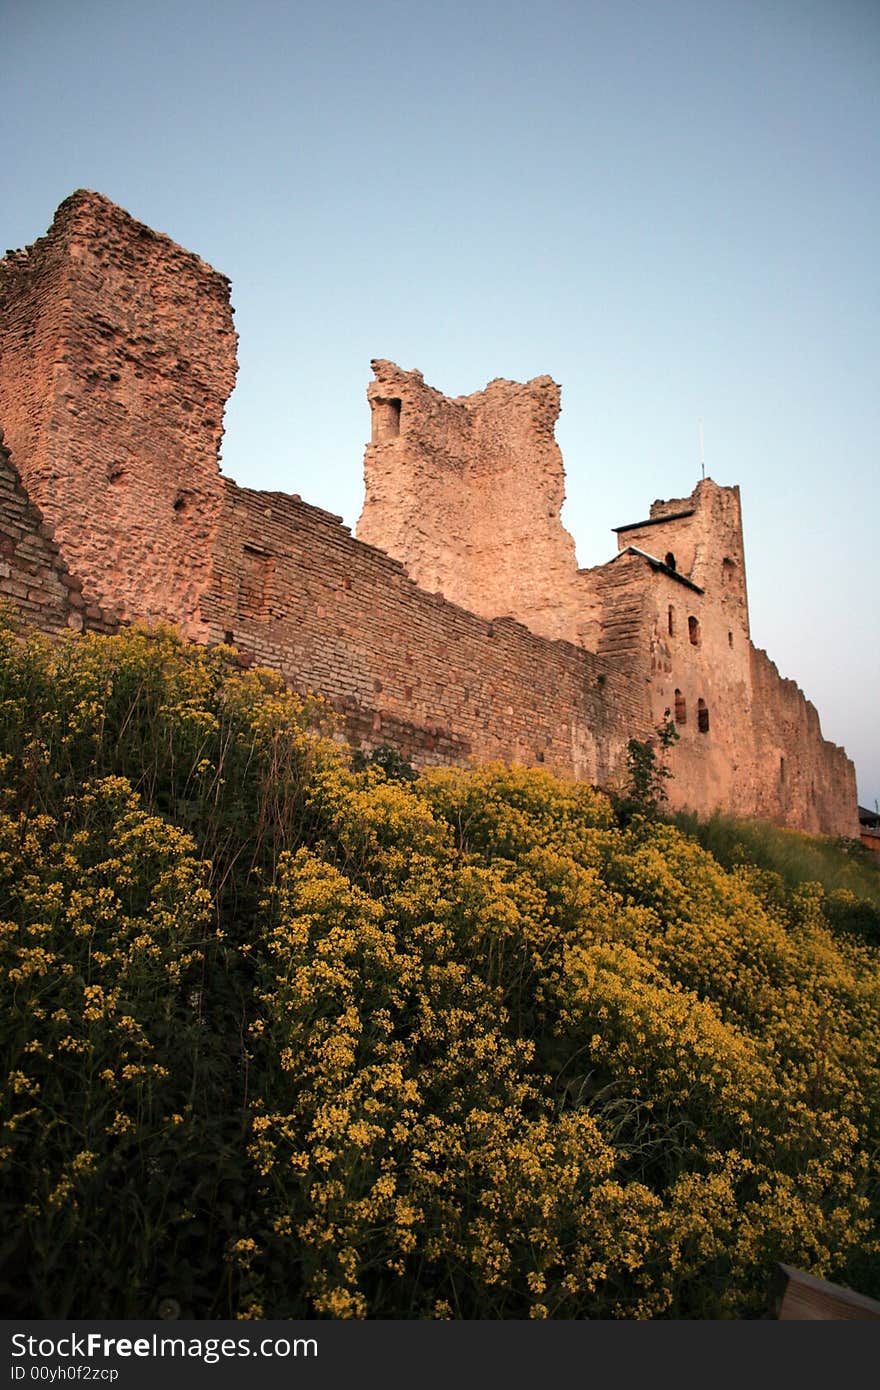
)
(293, 590)
(807, 782)
(117, 355)
(34, 579)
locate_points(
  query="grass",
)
(839, 865)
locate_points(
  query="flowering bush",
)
(286, 1039)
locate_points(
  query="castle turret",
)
(701, 538)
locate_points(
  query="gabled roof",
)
(658, 565)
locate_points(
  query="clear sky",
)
(670, 206)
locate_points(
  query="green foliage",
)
(647, 773)
(286, 1039)
(777, 861)
(389, 760)
(107, 954)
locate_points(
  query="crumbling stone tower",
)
(117, 355)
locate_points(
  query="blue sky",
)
(673, 208)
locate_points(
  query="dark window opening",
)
(730, 639)
(728, 569)
(670, 560)
(702, 716)
(782, 769)
(227, 637)
(681, 709)
(670, 621)
(386, 419)
(694, 631)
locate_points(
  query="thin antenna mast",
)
(702, 458)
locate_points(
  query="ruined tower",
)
(467, 493)
(117, 355)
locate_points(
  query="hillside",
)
(285, 1039)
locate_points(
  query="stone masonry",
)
(456, 626)
(491, 538)
(117, 356)
(34, 579)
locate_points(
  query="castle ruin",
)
(456, 626)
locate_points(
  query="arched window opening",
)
(681, 709)
(670, 621)
(694, 631)
(702, 716)
(728, 570)
(670, 560)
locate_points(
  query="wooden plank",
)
(804, 1298)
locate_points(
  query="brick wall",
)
(294, 590)
(807, 782)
